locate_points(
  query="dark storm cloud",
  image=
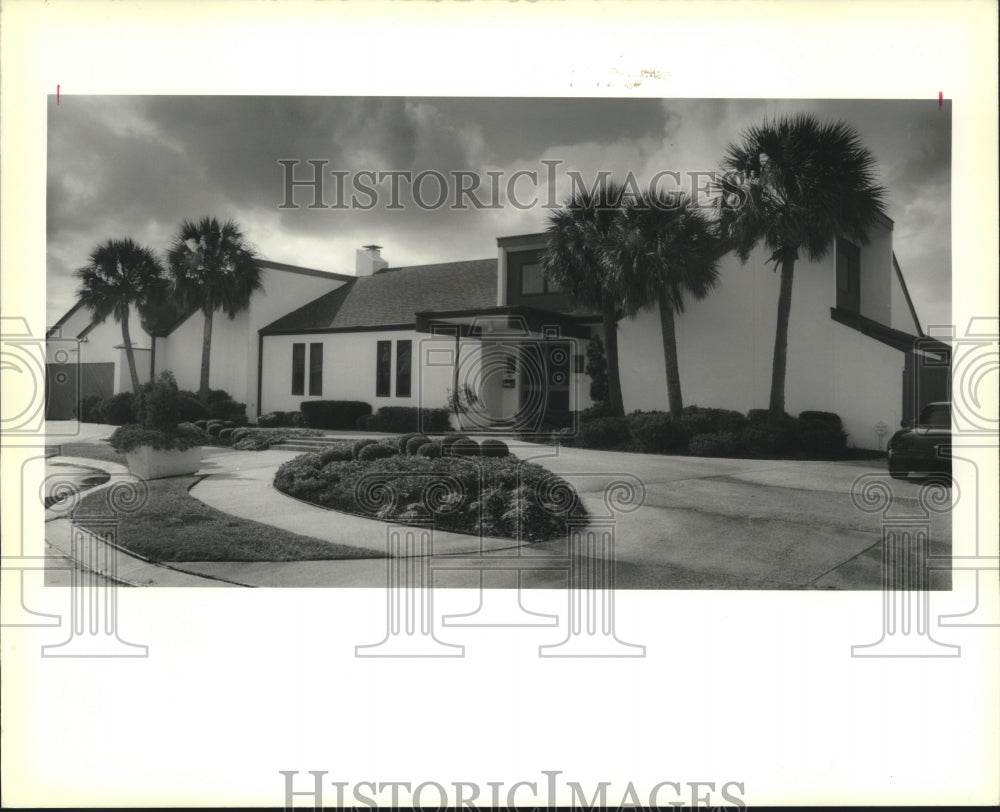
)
(136, 166)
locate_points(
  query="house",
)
(410, 336)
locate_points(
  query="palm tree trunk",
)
(129, 354)
(206, 354)
(615, 400)
(776, 408)
(674, 399)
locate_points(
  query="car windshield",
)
(937, 415)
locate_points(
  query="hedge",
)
(333, 414)
(401, 419)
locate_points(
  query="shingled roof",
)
(391, 297)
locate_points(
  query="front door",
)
(544, 373)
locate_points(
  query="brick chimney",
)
(368, 260)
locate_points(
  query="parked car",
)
(924, 448)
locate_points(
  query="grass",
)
(174, 526)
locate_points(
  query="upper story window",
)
(533, 281)
(848, 276)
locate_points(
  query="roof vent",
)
(368, 260)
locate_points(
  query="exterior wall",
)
(102, 345)
(349, 362)
(726, 343)
(233, 364)
(877, 276)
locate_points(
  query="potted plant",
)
(157, 446)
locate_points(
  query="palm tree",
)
(798, 183)
(671, 250)
(577, 257)
(212, 267)
(120, 274)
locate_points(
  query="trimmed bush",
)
(376, 451)
(117, 409)
(356, 448)
(367, 422)
(493, 448)
(464, 448)
(294, 420)
(225, 434)
(340, 453)
(191, 409)
(239, 434)
(657, 433)
(429, 450)
(271, 420)
(822, 417)
(602, 432)
(594, 412)
(450, 440)
(401, 419)
(725, 444)
(415, 441)
(403, 439)
(87, 409)
(564, 436)
(228, 410)
(333, 414)
(513, 502)
(214, 428)
(202, 424)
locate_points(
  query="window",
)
(383, 369)
(315, 369)
(848, 276)
(404, 355)
(298, 369)
(534, 282)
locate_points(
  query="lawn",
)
(174, 526)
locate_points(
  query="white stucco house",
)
(407, 336)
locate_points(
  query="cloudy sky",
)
(137, 165)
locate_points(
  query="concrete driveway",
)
(704, 524)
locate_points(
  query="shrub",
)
(217, 395)
(511, 500)
(760, 415)
(270, 420)
(700, 420)
(415, 441)
(294, 420)
(228, 410)
(464, 448)
(339, 453)
(564, 436)
(657, 433)
(401, 419)
(429, 450)
(376, 451)
(493, 448)
(820, 437)
(225, 434)
(356, 448)
(333, 414)
(239, 434)
(117, 409)
(129, 438)
(822, 417)
(88, 410)
(254, 441)
(367, 422)
(593, 412)
(450, 440)
(602, 432)
(214, 428)
(597, 369)
(191, 409)
(726, 444)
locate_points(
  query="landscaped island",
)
(457, 484)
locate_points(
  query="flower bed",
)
(492, 496)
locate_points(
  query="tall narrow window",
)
(383, 369)
(848, 276)
(404, 355)
(315, 369)
(298, 369)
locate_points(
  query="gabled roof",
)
(392, 297)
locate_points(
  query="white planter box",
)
(151, 463)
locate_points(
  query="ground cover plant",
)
(459, 490)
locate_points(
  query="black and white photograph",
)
(352, 386)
